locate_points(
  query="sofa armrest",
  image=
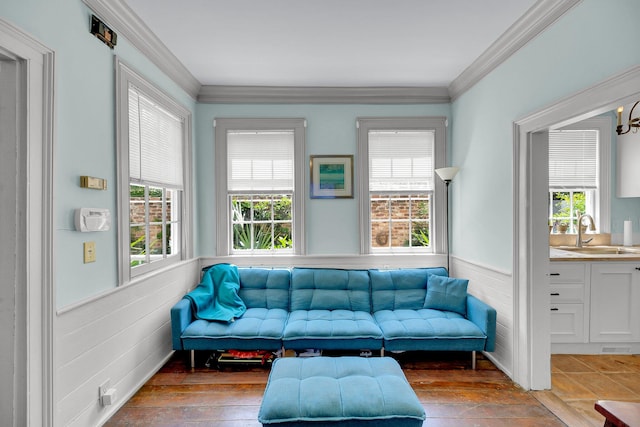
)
(181, 317)
(484, 316)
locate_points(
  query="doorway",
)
(26, 229)
(531, 257)
(12, 295)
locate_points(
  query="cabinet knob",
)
(555, 294)
(555, 309)
(638, 268)
(554, 274)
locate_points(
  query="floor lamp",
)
(446, 175)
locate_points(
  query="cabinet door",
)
(567, 323)
(627, 171)
(615, 302)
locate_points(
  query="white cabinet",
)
(627, 170)
(567, 292)
(615, 302)
(567, 323)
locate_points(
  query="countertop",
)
(595, 253)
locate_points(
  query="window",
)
(397, 162)
(579, 174)
(259, 174)
(154, 134)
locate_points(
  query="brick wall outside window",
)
(402, 212)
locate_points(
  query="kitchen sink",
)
(600, 250)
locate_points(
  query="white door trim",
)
(529, 256)
(37, 207)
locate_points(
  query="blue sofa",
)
(341, 309)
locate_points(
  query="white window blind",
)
(573, 159)
(260, 161)
(401, 160)
(155, 142)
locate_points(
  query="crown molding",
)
(322, 95)
(540, 16)
(123, 20)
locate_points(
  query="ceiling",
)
(318, 43)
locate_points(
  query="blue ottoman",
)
(347, 391)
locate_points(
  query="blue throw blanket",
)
(216, 297)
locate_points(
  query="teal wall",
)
(587, 45)
(84, 128)
(332, 226)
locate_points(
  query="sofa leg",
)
(473, 360)
(193, 359)
(382, 352)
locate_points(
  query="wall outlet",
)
(106, 394)
(102, 389)
(89, 252)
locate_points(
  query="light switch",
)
(89, 252)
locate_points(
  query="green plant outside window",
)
(261, 222)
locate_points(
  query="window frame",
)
(602, 200)
(223, 220)
(126, 76)
(438, 221)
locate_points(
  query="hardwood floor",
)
(578, 381)
(452, 395)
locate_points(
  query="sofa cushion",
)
(402, 288)
(427, 329)
(330, 289)
(447, 293)
(332, 329)
(265, 287)
(257, 329)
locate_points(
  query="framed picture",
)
(331, 177)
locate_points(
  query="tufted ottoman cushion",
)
(347, 391)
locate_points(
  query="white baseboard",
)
(131, 392)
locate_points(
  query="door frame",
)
(531, 333)
(35, 251)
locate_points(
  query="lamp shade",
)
(447, 174)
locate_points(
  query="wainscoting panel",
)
(496, 289)
(334, 261)
(123, 336)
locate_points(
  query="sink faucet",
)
(592, 227)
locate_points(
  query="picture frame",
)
(331, 176)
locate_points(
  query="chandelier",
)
(633, 124)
